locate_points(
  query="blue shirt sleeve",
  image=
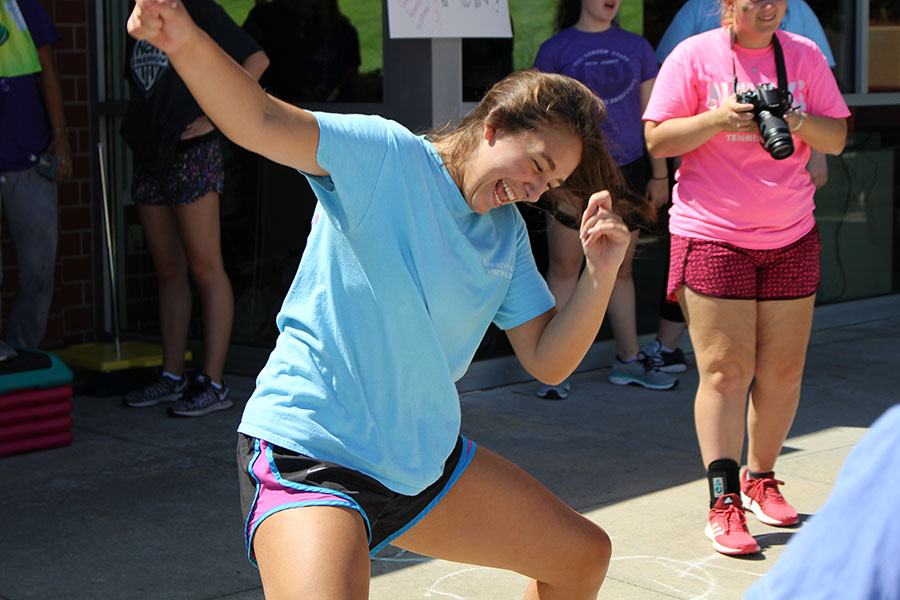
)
(801, 19)
(528, 295)
(545, 60)
(40, 25)
(696, 16)
(649, 66)
(343, 139)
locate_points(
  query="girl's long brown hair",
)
(567, 14)
(528, 100)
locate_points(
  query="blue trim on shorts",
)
(248, 534)
(465, 458)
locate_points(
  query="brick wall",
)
(72, 314)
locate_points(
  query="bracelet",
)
(799, 122)
(659, 178)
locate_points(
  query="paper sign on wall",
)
(448, 18)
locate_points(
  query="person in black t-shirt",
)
(314, 50)
(177, 180)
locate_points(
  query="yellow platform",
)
(103, 357)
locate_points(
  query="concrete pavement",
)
(145, 506)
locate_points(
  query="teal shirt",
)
(397, 286)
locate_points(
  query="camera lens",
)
(776, 135)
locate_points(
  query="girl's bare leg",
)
(198, 224)
(497, 515)
(314, 552)
(169, 261)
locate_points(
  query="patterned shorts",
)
(721, 270)
(195, 171)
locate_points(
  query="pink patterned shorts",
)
(721, 270)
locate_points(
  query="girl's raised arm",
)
(228, 95)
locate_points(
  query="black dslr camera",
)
(770, 104)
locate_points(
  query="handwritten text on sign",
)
(448, 18)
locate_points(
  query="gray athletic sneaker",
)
(641, 371)
(554, 392)
(201, 399)
(160, 389)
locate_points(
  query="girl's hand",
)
(60, 148)
(604, 236)
(199, 126)
(164, 23)
(657, 192)
(735, 116)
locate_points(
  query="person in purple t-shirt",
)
(620, 68)
(34, 154)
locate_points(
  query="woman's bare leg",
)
(782, 336)
(723, 333)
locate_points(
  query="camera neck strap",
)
(779, 62)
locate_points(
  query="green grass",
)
(532, 24)
(237, 9)
(366, 17)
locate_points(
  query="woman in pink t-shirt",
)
(745, 248)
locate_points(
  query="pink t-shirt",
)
(730, 189)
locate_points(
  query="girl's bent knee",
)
(585, 567)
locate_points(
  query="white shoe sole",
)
(200, 412)
(754, 507)
(153, 402)
(626, 380)
(725, 549)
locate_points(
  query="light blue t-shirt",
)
(697, 16)
(397, 286)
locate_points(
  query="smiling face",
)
(755, 21)
(518, 167)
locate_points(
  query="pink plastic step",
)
(35, 412)
(20, 431)
(41, 442)
(30, 397)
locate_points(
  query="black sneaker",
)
(161, 388)
(201, 398)
(667, 362)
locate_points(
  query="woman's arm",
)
(552, 345)
(226, 92)
(824, 134)
(675, 137)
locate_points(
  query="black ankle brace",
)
(723, 478)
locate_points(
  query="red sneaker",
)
(763, 498)
(727, 527)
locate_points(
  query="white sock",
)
(170, 376)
